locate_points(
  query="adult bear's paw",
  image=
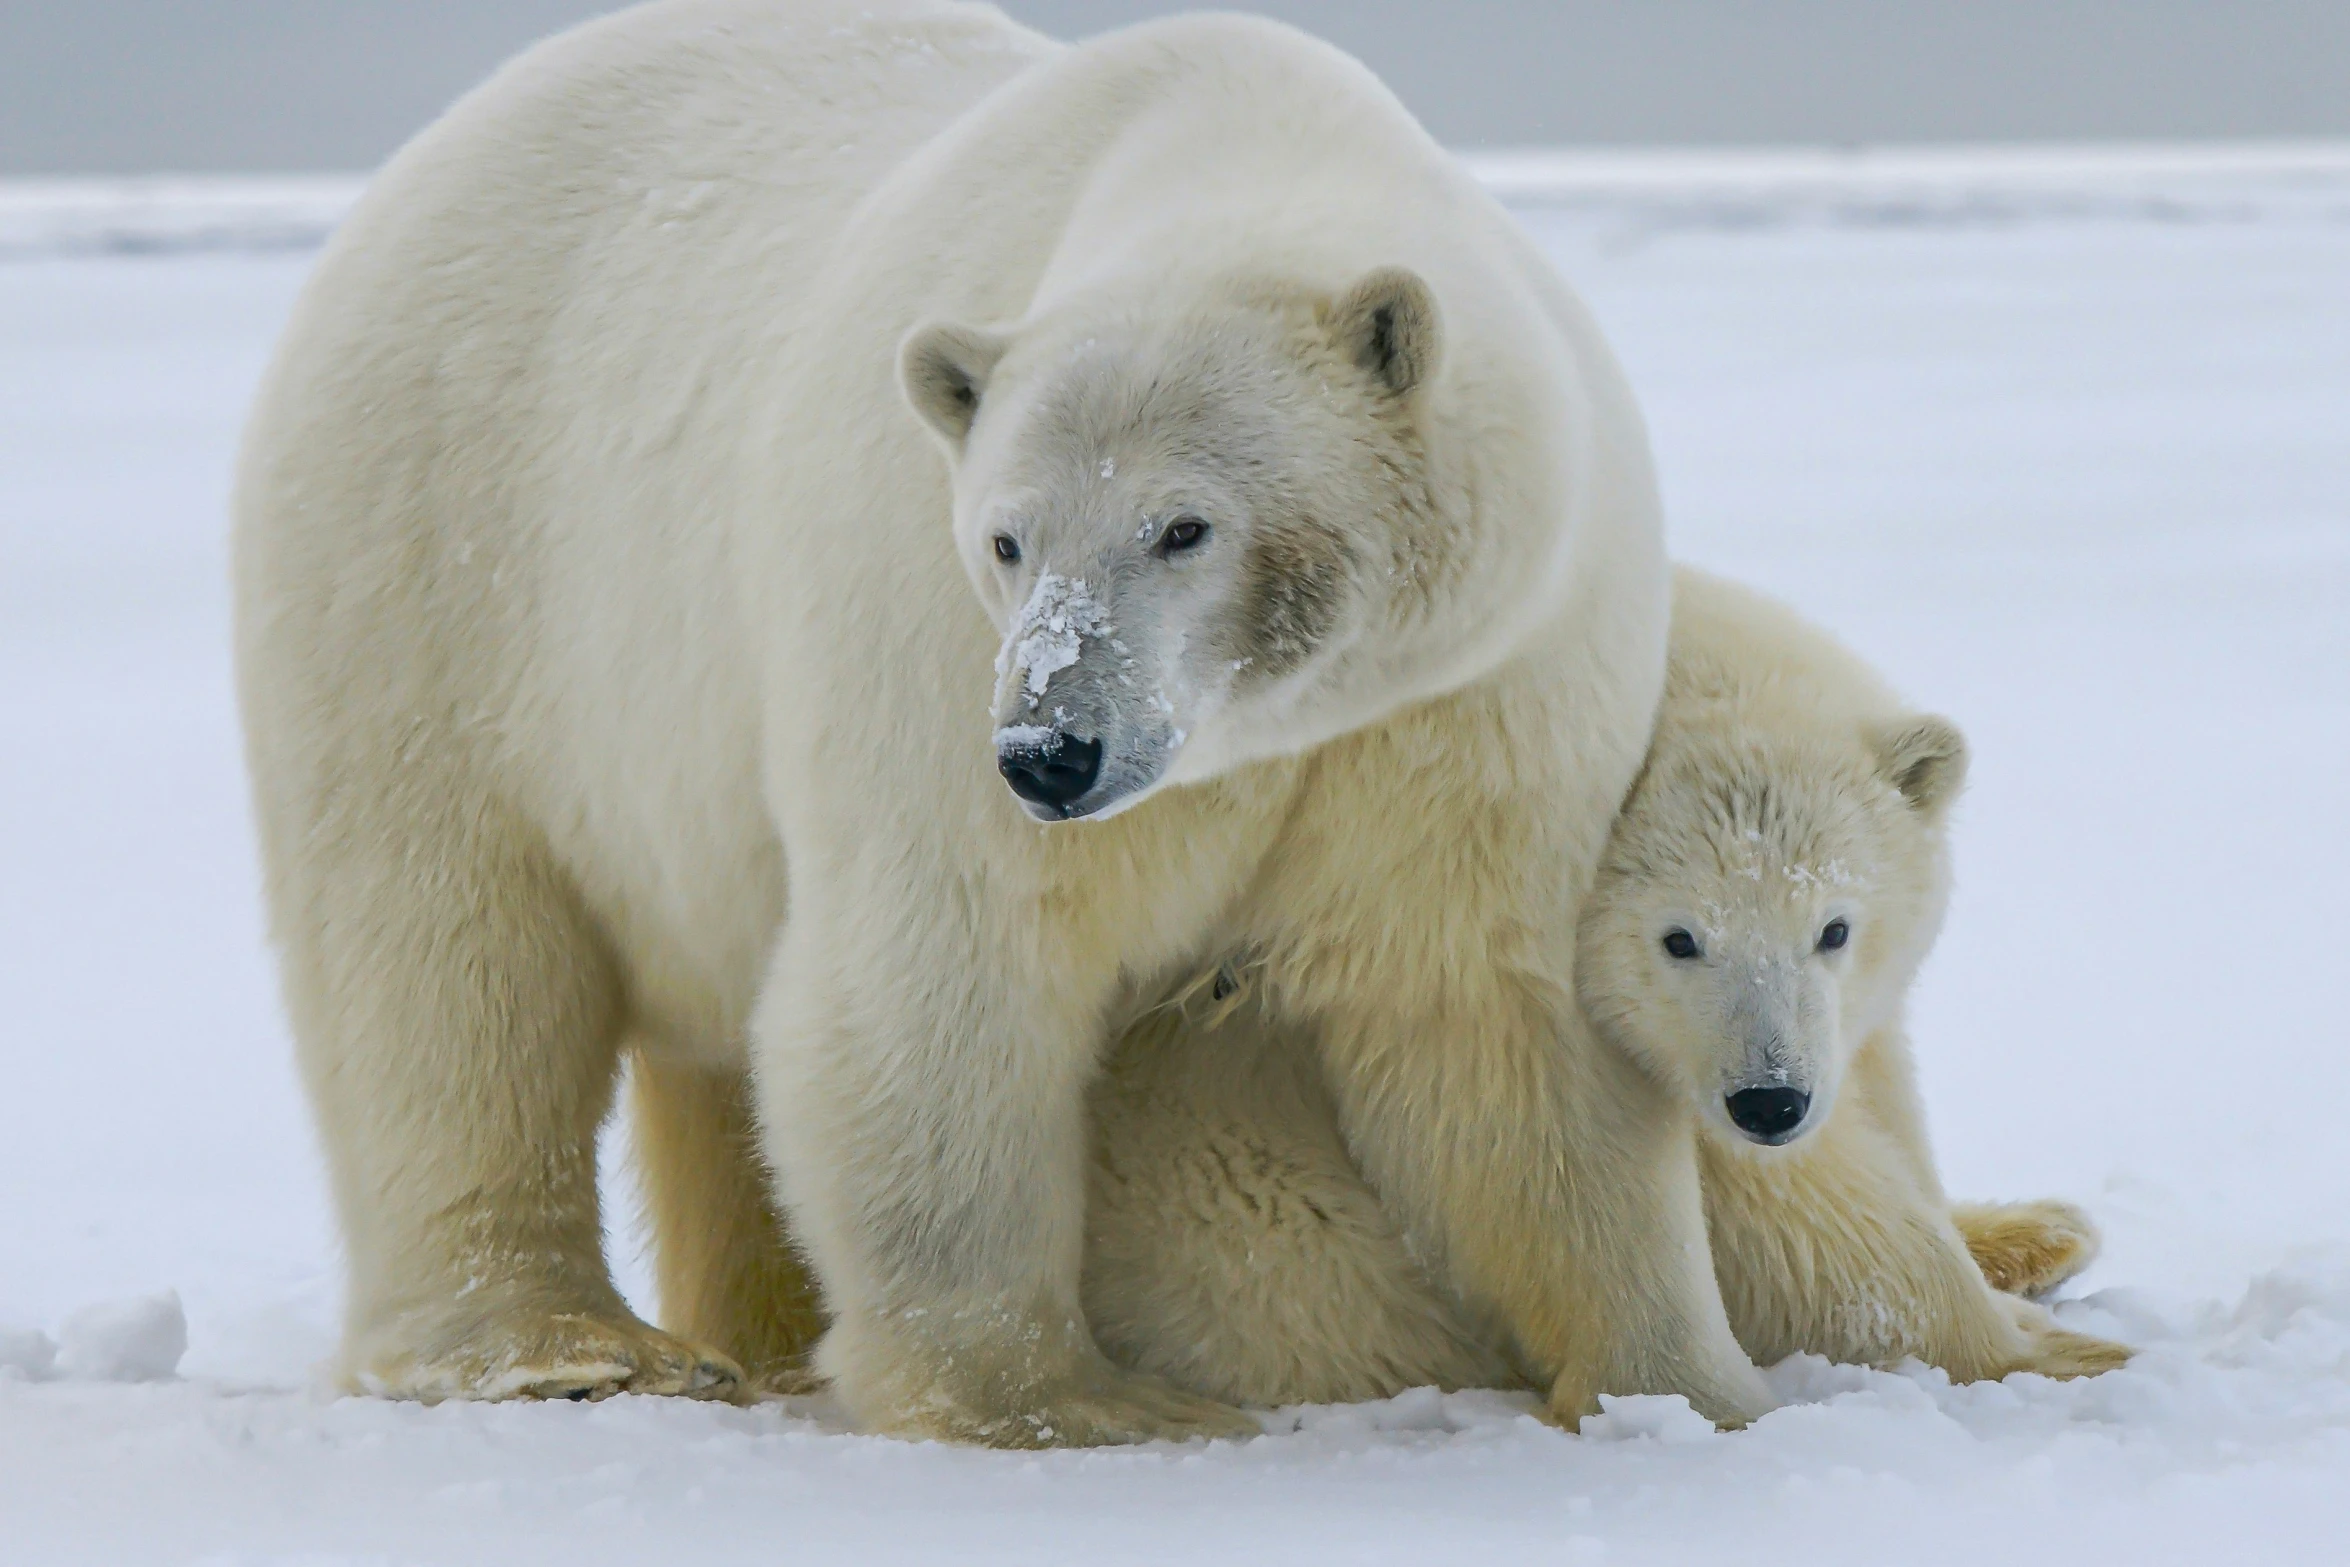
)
(568, 1355)
(2027, 1248)
(1083, 1402)
(1109, 1411)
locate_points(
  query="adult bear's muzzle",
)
(1050, 769)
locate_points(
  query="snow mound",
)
(26, 1353)
(138, 1340)
(145, 217)
(1731, 190)
(1742, 190)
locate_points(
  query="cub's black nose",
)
(1768, 1114)
(1054, 774)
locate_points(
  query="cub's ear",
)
(1387, 324)
(944, 369)
(1923, 757)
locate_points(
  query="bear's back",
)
(584, 233)
(483, 486)
(1735, 653)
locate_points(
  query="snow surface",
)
(2063, 444)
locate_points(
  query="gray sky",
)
(139, 86)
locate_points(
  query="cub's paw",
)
(2052, 1351)
(2062, 1353)
(2027, 1248)
(560, 1355)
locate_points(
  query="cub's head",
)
(1762, 908)
(1186, 514)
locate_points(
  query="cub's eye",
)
(1182, 534)
(1007, 549)
(1680, 944)
(1835, 935)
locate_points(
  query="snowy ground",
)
(2065, 445)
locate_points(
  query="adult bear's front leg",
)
(924, 1100)
(1555, 1184)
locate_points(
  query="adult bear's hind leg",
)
(457, 1021)
(728, 1274)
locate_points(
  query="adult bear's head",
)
(1191, 520)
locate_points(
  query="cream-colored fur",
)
(1235, 1250)
(739, 431)
(2027, 1248)
(1231, 1245)
(723, 1274)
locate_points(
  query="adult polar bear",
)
(592, 571)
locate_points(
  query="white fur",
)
(593, 568)
(1236, 1250)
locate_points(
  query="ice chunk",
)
(1666, 1417)
(125, 1340)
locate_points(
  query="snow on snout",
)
(1049, 631)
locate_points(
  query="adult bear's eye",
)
(1680, 944)
(1835, 935)
(1007, 549)
(1182, 534)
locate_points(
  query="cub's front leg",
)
(1554, 1184)
(1832, 1246)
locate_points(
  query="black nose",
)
(1055, 774)
(1768, 1114)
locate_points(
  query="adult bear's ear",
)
(944, 369)
(1387, 324)
(1924, 757)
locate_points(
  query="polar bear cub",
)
(1773, 883)
(1770, 887)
